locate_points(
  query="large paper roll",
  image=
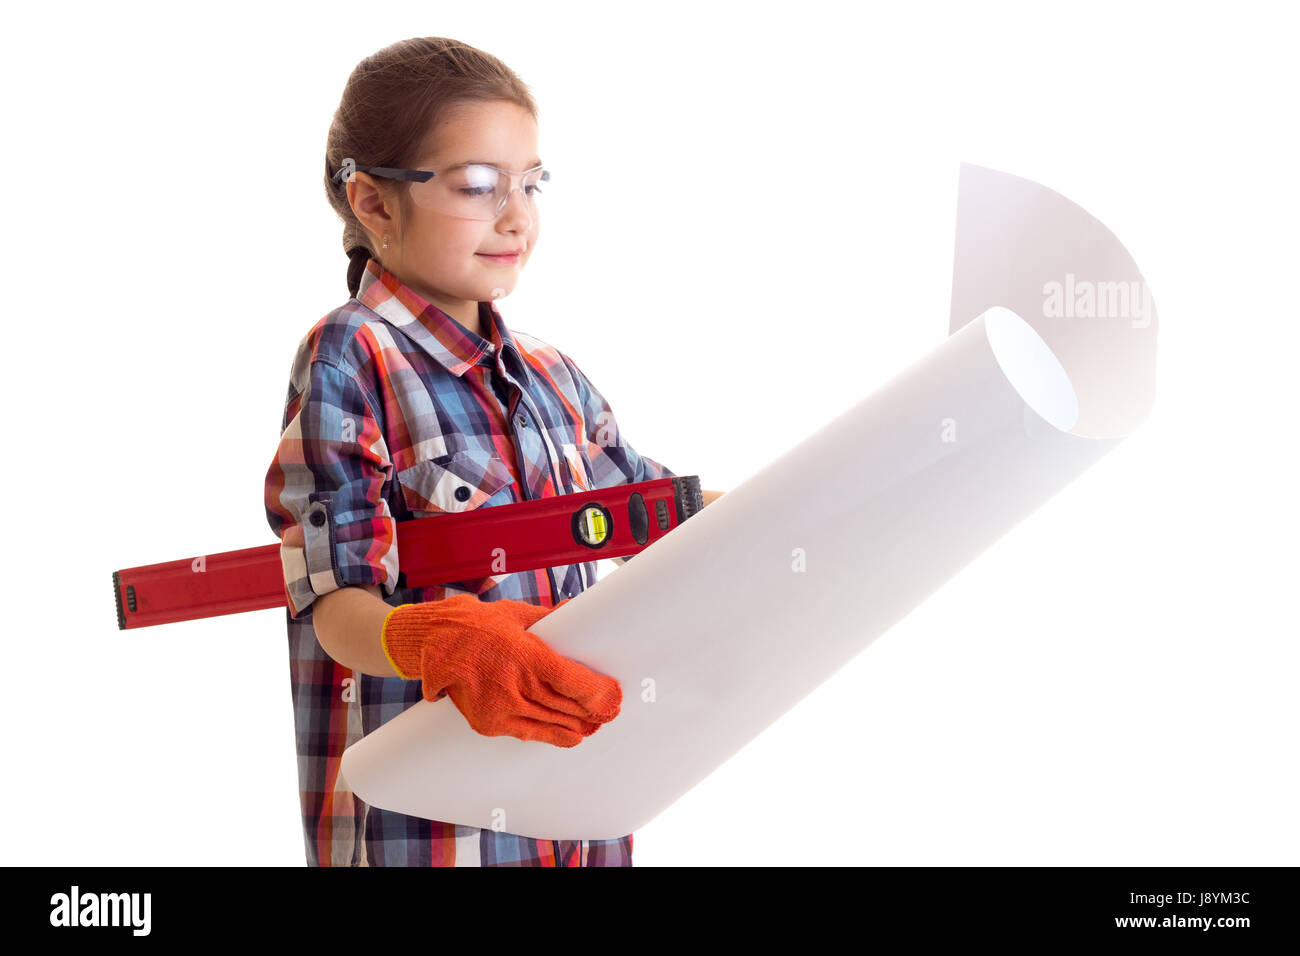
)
(726, 623)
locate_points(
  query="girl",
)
(414, 399)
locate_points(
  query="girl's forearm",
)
(348, 624)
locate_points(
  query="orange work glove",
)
(505, 680)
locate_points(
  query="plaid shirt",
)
(394, 410)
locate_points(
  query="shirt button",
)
(318, 518)
(523, 422)
(463, 493)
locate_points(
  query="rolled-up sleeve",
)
(613, 460)
(324, 491)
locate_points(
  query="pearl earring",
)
(385, 242)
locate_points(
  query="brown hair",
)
(391, 101)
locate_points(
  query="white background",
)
(755, 229)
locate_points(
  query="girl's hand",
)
(504, 679)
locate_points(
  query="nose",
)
(516, 212)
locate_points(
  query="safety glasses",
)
(464, 190)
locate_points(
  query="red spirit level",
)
(438, 549)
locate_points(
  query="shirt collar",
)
(454, 346)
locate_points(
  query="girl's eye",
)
(475, 191)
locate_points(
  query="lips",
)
(498, 255)
(501, 259)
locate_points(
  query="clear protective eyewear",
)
(465, 190)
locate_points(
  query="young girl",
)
(413, 399)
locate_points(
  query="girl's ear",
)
(375, 204)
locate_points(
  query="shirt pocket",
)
(577, 467)
(455, 483)
(461, 481)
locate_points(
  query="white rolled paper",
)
(720, 627)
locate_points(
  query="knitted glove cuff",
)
(402, 643)
(406, 636)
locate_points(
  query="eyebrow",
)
(487, 162)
